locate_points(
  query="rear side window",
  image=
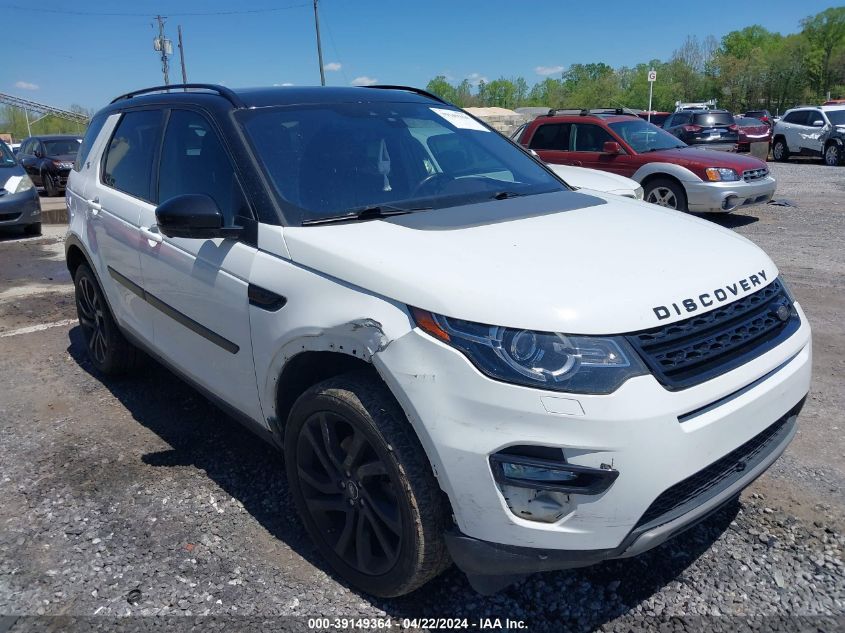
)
(589, 138)
(798, 118)
(129, 157)
(554, 136)
(193, 160)
(91, 134)
(713, 118)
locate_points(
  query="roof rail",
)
(592, 112)
(419, 91)
(224, 92)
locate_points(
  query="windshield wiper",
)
(504, 195)
(366, 213)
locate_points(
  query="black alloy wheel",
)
(107, 348)
(364, 487)
(349, 493)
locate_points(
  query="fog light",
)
(729, 204)
(535, 474)
(547, 474)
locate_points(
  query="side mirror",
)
(194, 216)
(817, 123)
(612, 147)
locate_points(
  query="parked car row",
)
(671, 173)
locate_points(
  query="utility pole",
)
(319, 45)
(165, 46)
(182, 57)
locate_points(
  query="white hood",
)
(601, 265)
(585, 178)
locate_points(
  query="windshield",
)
(7, 159)
(645, 137)
(61, 147)
(837, 117)
(329, 159)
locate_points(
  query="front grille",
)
(697, 349)
(718, 476)
(5, 217)
(754, 174)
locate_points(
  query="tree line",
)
(13, 121)
(748, 69)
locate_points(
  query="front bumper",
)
(462, 417)
(728, 196)
(18, 209)
(480, 559)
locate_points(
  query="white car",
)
(462, 359)
(595, 180)
(811, 131)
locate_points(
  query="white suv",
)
(462, 359)
(811, 131)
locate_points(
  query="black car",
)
(764, 115)
(715, 129)
(48, 160)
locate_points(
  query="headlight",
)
(18, 184)
(717, 174)
(638, 193)
(545, 360)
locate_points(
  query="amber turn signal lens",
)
(425, 320)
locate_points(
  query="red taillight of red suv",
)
(692, 128)
(733, 128)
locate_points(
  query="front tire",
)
(666, 193)
(363, 486)
(50, 187)
(833, 155)
(108, 350)
(780, 151)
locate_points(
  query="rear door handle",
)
(95, 206)
(152, 235)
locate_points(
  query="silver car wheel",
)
(663, 196)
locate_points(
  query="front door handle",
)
(153, 236)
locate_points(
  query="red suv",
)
(671, 173)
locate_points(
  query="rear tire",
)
(32, 229)
(363, 486)
(780, 151)
(109, 351)
(666, 193)
(833, 155)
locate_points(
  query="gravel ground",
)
(136, 497)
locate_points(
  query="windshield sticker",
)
(459, 119)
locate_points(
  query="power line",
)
(143, 15)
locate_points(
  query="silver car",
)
(19, 201)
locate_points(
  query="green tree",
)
(825, 33)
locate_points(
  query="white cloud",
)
(25, 85)
(363, 80)
(476, 78)
(333, 66)
(548, 70)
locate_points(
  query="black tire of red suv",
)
(363, 486)
(108, 350)
(780, 150)
(667, 193)
(50, 187)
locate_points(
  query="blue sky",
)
(86, 57)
